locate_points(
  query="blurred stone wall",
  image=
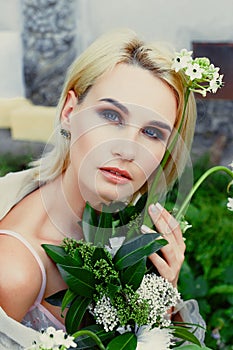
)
(214, 131)
(49, 46)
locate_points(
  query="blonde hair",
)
(121, 46)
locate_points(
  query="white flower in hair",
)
(215, 83)
(194, 71)
(182, 60)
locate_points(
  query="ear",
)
(68, 108)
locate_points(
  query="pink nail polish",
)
(154, 209)
(159, 206)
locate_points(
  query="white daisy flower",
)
(216, 83)
(194, 71)
(182, 60)
(53, 339)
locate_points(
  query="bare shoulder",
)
(20, 277)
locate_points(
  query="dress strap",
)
(38, 259)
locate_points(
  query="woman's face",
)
(119, 133)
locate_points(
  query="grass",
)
(207, 274)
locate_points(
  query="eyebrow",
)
(160, 124)
(116, 104)
(124, 109)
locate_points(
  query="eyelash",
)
(116, 118)
(153, 133)
(112, 116)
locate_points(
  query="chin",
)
(107, 199)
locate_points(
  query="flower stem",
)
(151, 195)
(197, 185)
(91, 335)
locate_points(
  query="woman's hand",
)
(170, 263)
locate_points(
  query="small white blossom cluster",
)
(202, 75)
(105, 313)
(161, 296)
(51, 339)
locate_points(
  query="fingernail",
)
(156, 208)
(146, 229)
(159, 206)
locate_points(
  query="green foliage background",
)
(207, 274)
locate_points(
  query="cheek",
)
(151, 157)
(88, 152)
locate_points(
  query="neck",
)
(64, 206)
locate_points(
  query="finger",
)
(166, 224)
(172, 254)
(171, 273)
(161, 217)
(170, 263)
(146, 229)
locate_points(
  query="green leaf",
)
(100, 253)
(112, 289)
(141, 203)
(67, 299)
(86, 342)
(136, 249)
(89, 223)
(75, 313)
(57, 254)
(56, 299)
(201, 287)
(129, 212)
(80, 280)
(133, 275)
(104, 230)
(126, 214)
(186, 281)
(184, 333)
(126, 341)
(222, 289)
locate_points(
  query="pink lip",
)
(116, 175)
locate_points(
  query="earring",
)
(65, 133)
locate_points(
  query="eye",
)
(111, 115)
(153, 133)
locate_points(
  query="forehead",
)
(135, 86)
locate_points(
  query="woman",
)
(118, 112)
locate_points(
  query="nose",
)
(125, 154)
(126, 146)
